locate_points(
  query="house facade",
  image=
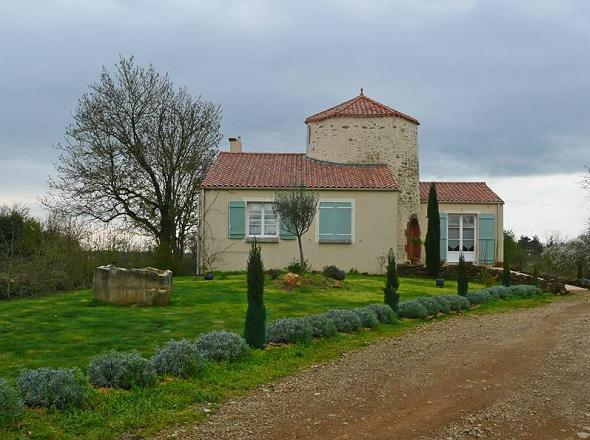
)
(362, 160)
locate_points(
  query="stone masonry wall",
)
(389, 140)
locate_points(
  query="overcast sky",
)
(501, 88)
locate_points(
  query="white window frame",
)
(262, 226)
(352, 219)
(470, 256)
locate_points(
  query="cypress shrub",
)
(391, 297)
(462, 281)
(255, 326)
(432, 244)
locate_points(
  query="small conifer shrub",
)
(391, 297)
(255, 325)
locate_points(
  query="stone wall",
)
(139, 287)
(548, 284)
(389, 140)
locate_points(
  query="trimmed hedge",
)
(321, 326)
(221, 345)
(11, 404)
(289, 330)
(384, 312)
(53, 387)
(430, 304)
(346, 321)
(367, 316)
(334, 272)
(412, 309)
(503, 292)
(116, 369)
(479, 297)
(178, 358)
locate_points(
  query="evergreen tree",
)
(462, 280)
(432, 244)
(506, 275)
(391, 297)
(255, 327)
(535, 276)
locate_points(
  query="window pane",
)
(468, 246)
(468, 234)
(254, 230)
(453, 233)
(453, 220)
(468, 221)
(255, 218)
(454, 245)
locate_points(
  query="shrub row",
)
(61, 388)
(503, 292)
(424, 306)
(293, 330)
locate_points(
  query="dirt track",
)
(524, 374)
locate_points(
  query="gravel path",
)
(523, 374)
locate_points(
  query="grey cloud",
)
(501, 88)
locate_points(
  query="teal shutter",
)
(487, 238)
(285, 235)
(237, 220)
(443, 237)
(335, 222)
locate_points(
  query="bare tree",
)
(137, 151)
(296, 209)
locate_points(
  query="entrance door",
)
(461, 237)
(414, 245)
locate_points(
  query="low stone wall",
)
(138, 287)
(548, 284)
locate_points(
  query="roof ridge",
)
(264, 152)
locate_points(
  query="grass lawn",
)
(69, 329)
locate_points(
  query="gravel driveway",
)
(523, 374)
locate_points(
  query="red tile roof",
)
(281, 170)
(461, 192)
(359, 107)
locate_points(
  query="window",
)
(262, 220)
(335, 222)
(461, 234)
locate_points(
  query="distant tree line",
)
(60, 253)
(568, 258)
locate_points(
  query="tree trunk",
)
(301, 258)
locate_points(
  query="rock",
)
(583, 434)
(291, 279)
(139, 287)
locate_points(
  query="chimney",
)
(235, 145)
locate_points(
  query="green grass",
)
(69, 329)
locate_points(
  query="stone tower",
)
(364, 131)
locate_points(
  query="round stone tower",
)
(364, 131)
